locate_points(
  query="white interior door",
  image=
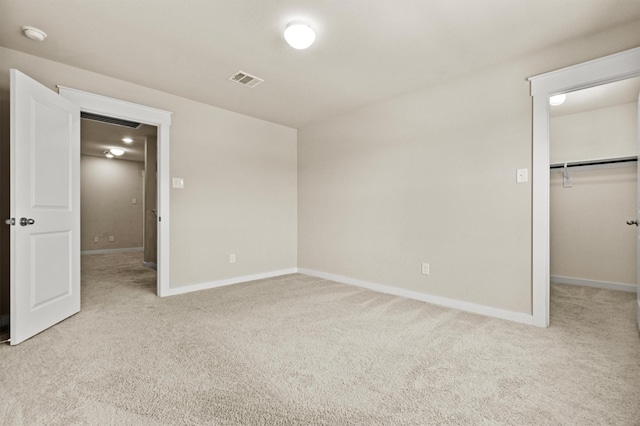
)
(45, 208)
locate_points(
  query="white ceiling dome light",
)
(116, 151)
(34, 33)
(299, 35)
(557, 100)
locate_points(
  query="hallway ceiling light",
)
(299, 35)
(557, 100)
(34, 33)
(116, 151)
(108, 154)
(127, 140)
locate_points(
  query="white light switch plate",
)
(522, 175)
(178, 183)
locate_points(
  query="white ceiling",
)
(366, 50)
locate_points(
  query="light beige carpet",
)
(302, 350)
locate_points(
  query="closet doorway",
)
(616, 67)
(593, 191)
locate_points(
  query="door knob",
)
(24, 221)
(632, 222)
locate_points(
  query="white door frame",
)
(116, 108)
(616, 67)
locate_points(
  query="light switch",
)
(178, 183)
(522, 175)
(134, 201)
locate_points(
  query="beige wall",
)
(601, 133)
(239, 173)
(108, 187)
(431, 177)
(589, 237)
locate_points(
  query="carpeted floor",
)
(302, 350)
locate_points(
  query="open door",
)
(45, 208)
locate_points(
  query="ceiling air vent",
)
(245, 79)
(110, 120)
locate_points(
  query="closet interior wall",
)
(590, 240)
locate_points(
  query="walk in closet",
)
(593, 149)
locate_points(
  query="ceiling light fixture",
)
(299, 35)
(108, 154)
(557, 100)
(127, 140)
(116, 151)
(34, 33)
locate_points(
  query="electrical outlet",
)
(95, 239)
(232, 258)
(111, 238)
(425, 268)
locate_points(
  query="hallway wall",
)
(108, 188)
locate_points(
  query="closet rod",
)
(594, 162)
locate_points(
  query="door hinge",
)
(11, 221)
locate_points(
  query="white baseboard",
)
(593, 283)
(118, 250)
(229, 281)
(436, 300)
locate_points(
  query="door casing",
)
(102, 105)
(608, 69)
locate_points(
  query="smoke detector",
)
(34, 33)
(246, 79)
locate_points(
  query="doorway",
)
(45, 198)
(109, 107)
(617, 67)
(593, 155)
(118, 163)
